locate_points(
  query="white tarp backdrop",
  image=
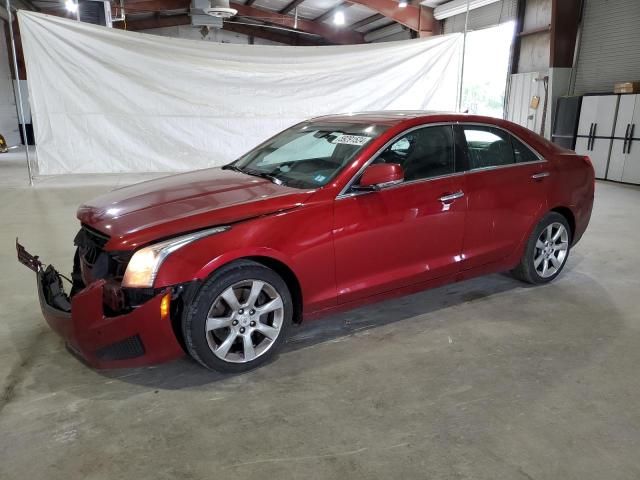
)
(106, 100)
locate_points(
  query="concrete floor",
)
(487, 379)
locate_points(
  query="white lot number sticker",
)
(352, 139)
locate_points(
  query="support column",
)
(19, 99)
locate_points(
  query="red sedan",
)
(332, 213)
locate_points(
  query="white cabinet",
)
(631, 173)
(596, 130)
(624, 163)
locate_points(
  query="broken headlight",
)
(144, 265)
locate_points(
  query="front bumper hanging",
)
(140, 337)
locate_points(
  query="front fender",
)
(199, 260)
(229, 257)
(300, 239)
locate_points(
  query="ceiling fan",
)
(214, 13)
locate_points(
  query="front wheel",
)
(547, 250)
(239, 319)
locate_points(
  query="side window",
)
(423, 153)
(488, 147)
(522, 153)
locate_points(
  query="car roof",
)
(394, 118)
(382, 117)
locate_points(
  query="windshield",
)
(308, 155)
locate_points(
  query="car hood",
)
(165, 207)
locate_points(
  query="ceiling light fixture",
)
(338, 18)
(71, 6)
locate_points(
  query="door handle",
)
(626, 138)
(450, 197)
(593, 136)
(540, 176)
(590, 137)
(630, 141)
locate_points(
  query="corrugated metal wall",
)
(483, 17)
(610, 46)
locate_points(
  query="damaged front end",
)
(106, 325)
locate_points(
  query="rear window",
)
(494, 147)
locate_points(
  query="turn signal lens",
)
(164, 306)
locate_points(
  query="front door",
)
(407, 233)
(506, 191)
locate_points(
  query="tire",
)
(541, 250)
(235, 336)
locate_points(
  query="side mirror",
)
(380, 175)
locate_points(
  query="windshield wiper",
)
(232, 167)
(268, 176)
(255, 173)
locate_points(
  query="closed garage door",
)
(610, 46)
(483, 17)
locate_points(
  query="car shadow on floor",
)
(185, 373)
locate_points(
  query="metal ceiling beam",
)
(291, 6)
(332, 35)
(274, 36)
(366, 21)
(18, 5)
(132, 6)
(153, 22)
(416, 17)
(257, 31)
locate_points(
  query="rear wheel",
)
(239, 319)
(547, 250)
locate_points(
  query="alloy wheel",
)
(244, 321)
(551, 250)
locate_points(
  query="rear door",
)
(506, 189)
(408, 233)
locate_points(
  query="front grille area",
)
(126, 349)
(99, 263)
(99, 238)
(90, 242)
